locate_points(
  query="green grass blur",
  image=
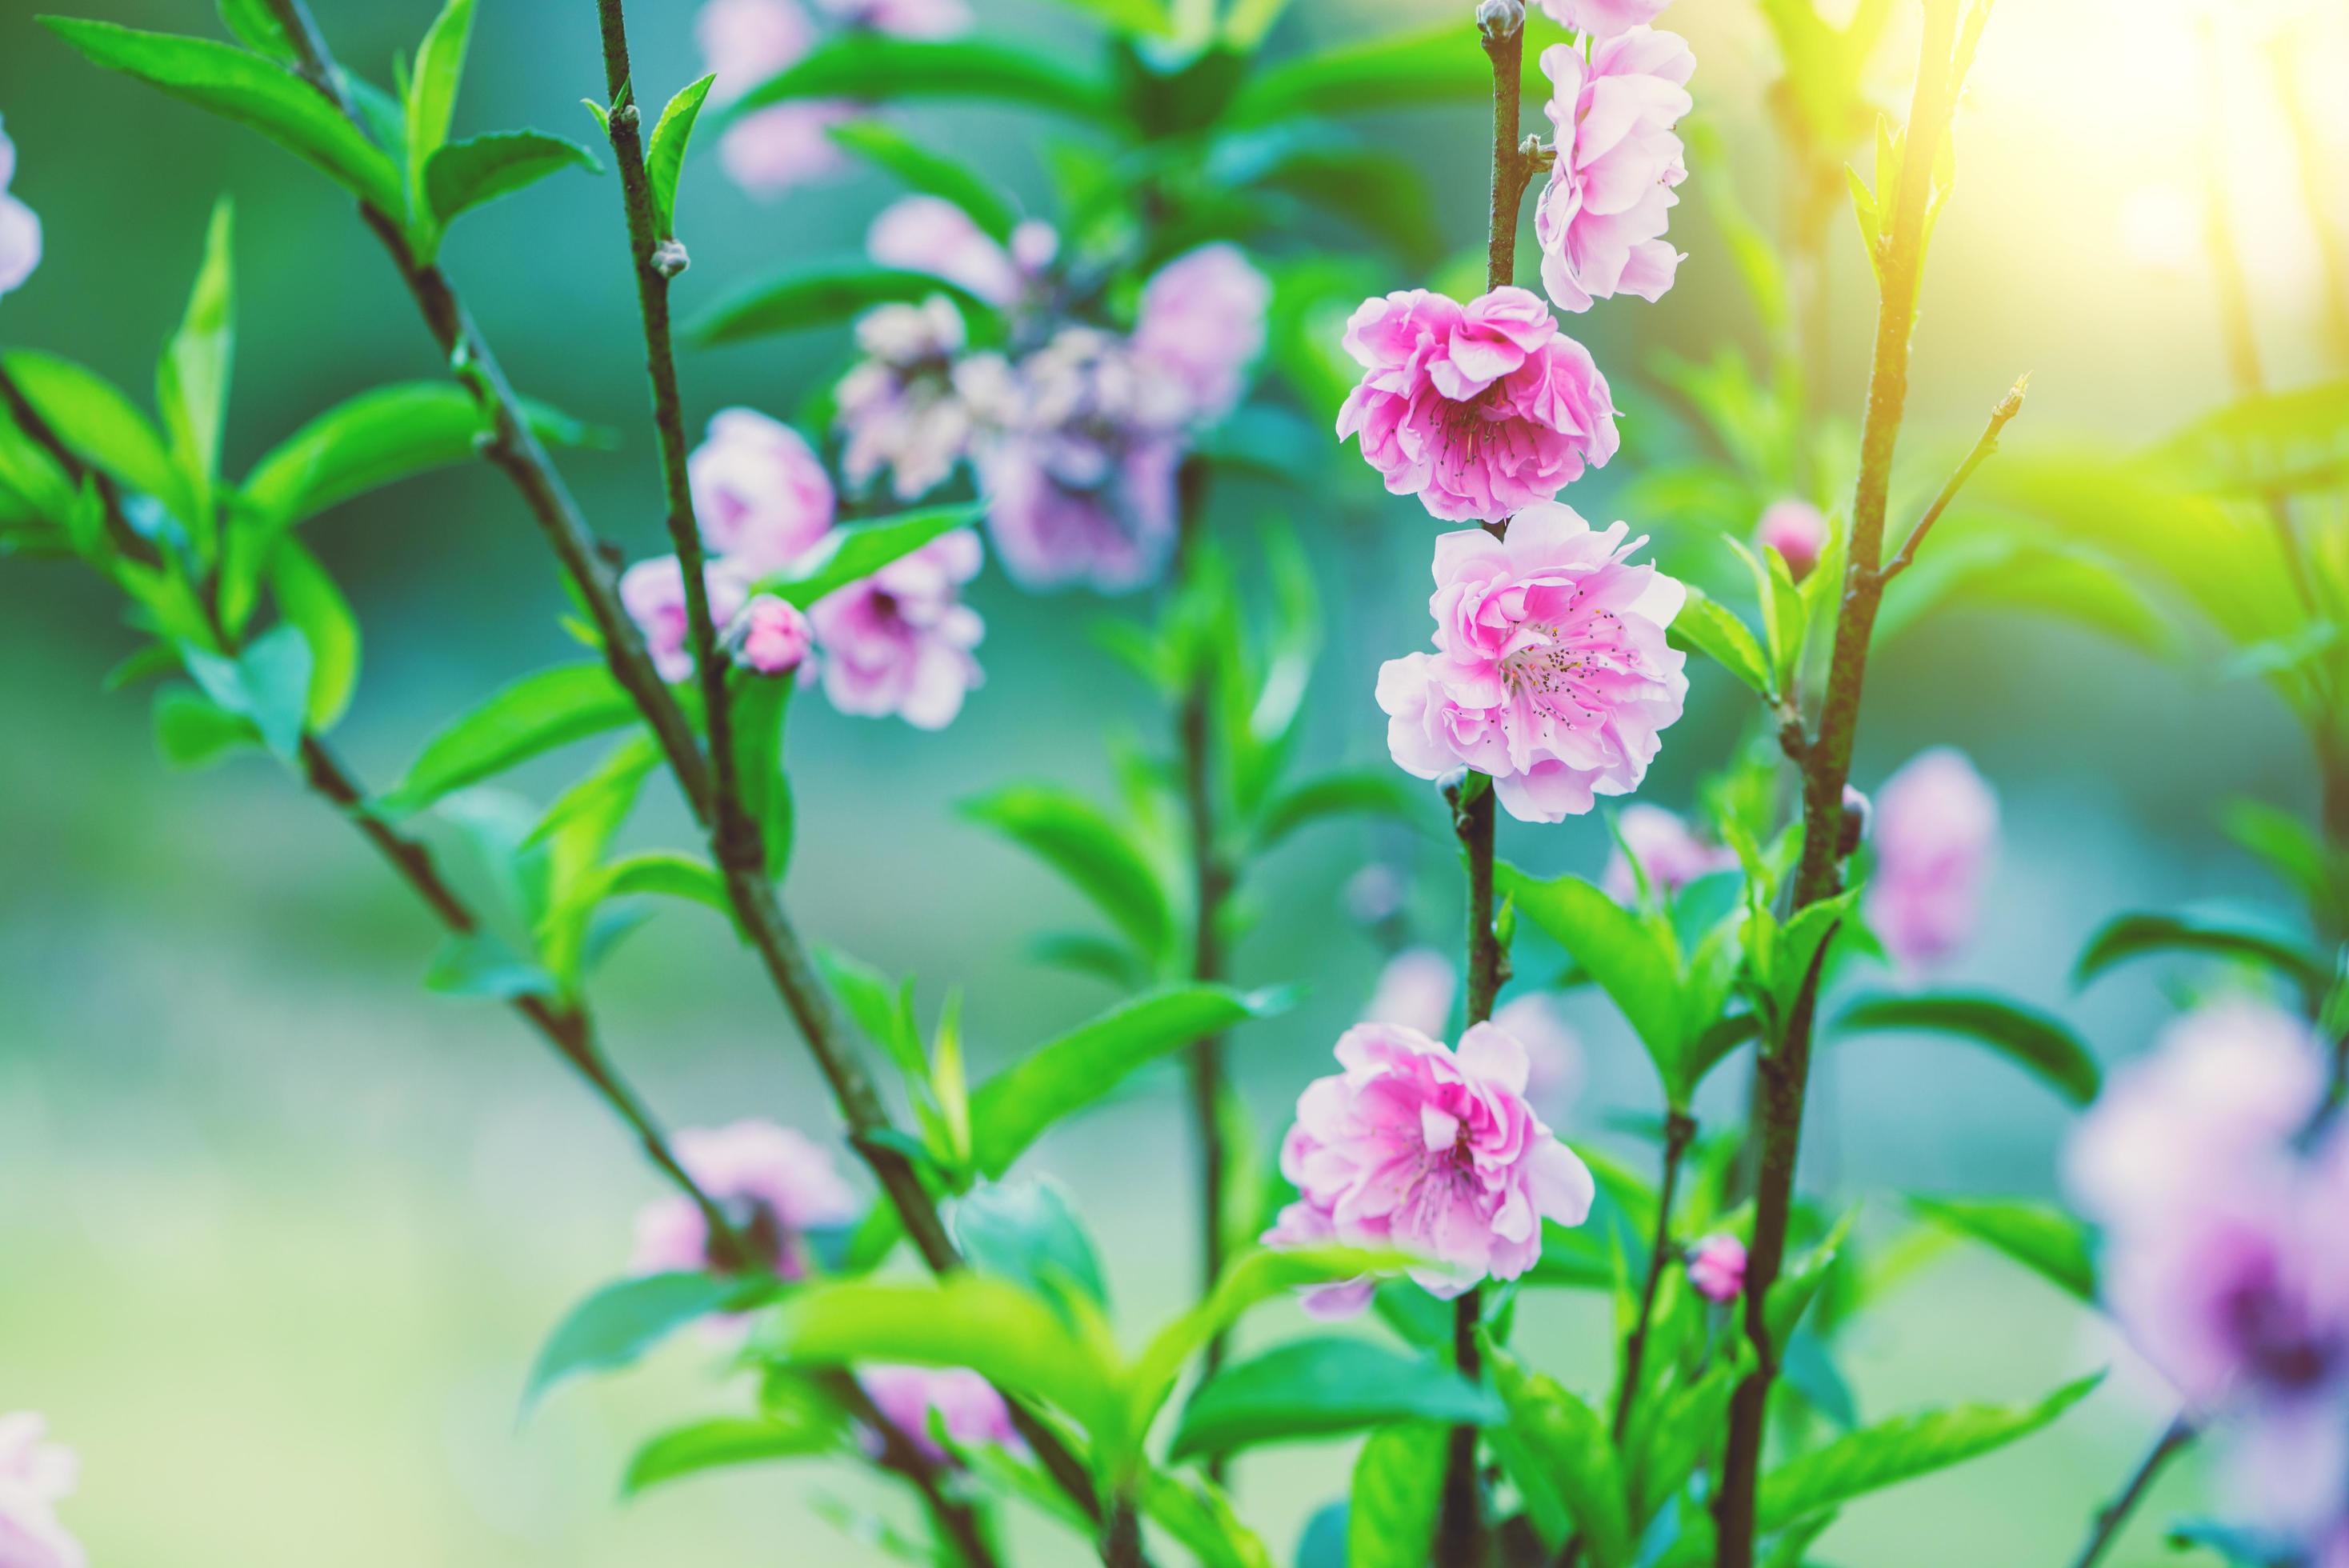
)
(279, 1232)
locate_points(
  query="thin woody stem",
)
(518, 454)
(1679, 1130)
(2106, 1530)
(1785, 1068)
(958, 1522)
(2008, 408)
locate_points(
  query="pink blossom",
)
(35, 1476)
(1602, 18)
(1414, 991)
(770, 149)
(1936, 824)
(903, 18)
(1479, 410)
(1551, 672)
(20, 231)
(1078, 460)
(653, 594)
(1796, 530)
(899, 407)
(964, 1403)
(771, 635)
(1671, 856)
(1202, 321)
(899, 641)
(1716, 1268)
(771, 1182)
(1431, 1152)
(760, 491)
(931, 234)
(1602, 216)
(1553, 1050)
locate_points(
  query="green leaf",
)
(257, 28)
(876, 68)
(1425, 67)
(379, 437)
(921, 167)
(268, 682)
(1323, 1387)
(762, 707)
(1197, 1515)
(2145, 933)
(1397, 1498)
(665, 158)
(668, 873)
(1712, 629)
(2040, 1236)
(723, 1441)
(2294, 852)
(481, 964)
(192, 383)
(102, 426)
(854, 552)
(2272, 443)
(193, 731)
(311, 602)
(569, 842)
(1365, 792)
(1901, 1449)
(432, 92)
(465, 174)
(823, 293)
(249, 90)
(1556, 1448)
(534, 715)
(1012, 1109)
(1631, 960)
(1076, 839)
(2041, 1045)
(1003, 1332)
(1792, 1293)
(1027, 1233)
(616, 1325)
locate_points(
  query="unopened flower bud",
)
(771, 636)
(669, 258)
(1856, 814)
(1500, 19)
(1716, 1268)
(1798, 531)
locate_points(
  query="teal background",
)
(279, 1232)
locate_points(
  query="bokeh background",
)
(279, 1232)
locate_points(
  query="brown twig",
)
(1679, 1130)
(2008, 408)
(2115, 1514)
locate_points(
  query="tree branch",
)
(2008, 408)
(1679, 1130)
(2115, 1514)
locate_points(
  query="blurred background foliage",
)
(278, 1230)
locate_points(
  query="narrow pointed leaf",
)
(466, 174)
(534, 715)
(1098, 856)
(1325, 1388)
(2143, 933)
(1397, 1498)
(2042, 1045)
(310, 601)
(875, 67)
(726, 1441)
(99, 424)
(921, 167)
(617, 1324)
(664, 156)
(2040, 1236)
(804, 297)
(851, 553)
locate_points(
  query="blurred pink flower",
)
(899, 641)
(902, 18)
(966, 1405)
(899, 407)
(1669, 853)
(931, 234)
(1080, 444)
(1553, 1050)
(1796, 530)
(771, 1182)
(1602, 218)
(771, 150)
(771, 635)
(1414, 991)
(1551, 672)
(1716, 1268)
(1602, 18)
(1431, 1152)
(759, 492)
(35, 1476)
(1936, 824)
(653, 594)
(20, 231)
(1202, 321)
(1477, 409)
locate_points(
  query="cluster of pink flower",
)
(1076, 438)
(2226, 1259)
(776, 1186)
(20, 231)
(745, 42)
(34, 1474)
(897, 641)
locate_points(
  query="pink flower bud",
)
(771, 635)
(1796, 530)
(1716, 1267)
(20, 231)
